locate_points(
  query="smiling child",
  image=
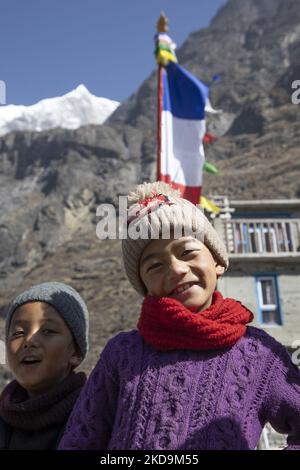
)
(193, 375)
(46, 339)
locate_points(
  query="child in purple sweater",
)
(192, 375)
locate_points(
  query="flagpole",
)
(159, 119)
(162, 27)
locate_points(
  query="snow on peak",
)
(77, 108)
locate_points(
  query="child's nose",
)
(31, 340)
(177, 268)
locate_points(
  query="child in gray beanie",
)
(46, 334)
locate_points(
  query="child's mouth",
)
(30, 360)
(183, 288)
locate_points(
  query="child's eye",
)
(17, 333)
(47, 331)
(154, 266)
(187, 252)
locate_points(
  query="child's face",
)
(183, 269)
(40, 347)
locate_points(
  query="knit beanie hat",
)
(156, 209)
(66, 301)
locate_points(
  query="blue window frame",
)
(268, 301)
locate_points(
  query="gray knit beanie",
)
(68, 303)
(154, 210)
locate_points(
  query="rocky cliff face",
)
(52, 182)
(255, 47)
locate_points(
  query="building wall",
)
(263, 208)
(239, 283)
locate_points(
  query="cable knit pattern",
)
(141, 398)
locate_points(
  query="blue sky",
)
(47, 48)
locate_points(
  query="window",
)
(268, 299)
(261, 237)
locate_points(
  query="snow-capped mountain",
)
(70, 111)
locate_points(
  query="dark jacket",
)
(16, 439)
(37, 423)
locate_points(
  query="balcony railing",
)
(262, 236)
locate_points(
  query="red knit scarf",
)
(165, 323)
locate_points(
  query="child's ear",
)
(75, 359)
(219, 270)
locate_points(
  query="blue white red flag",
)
(182, 131)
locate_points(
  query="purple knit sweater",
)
(140, 398)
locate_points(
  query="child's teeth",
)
(183, 288)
